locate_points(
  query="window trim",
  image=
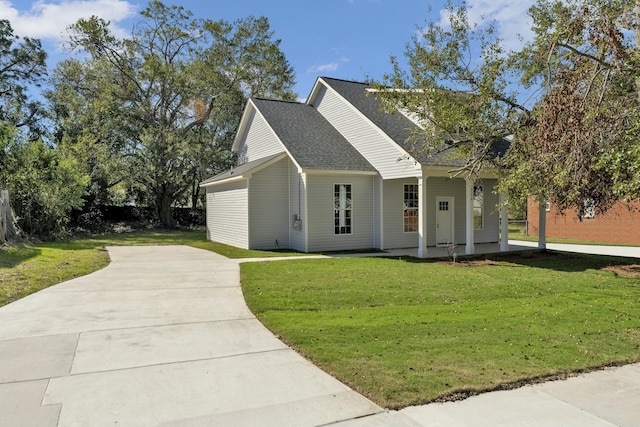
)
(337, 230)
(589, 209)
(481, 207)
(413, 208)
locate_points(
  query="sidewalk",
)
(163, 337)
(623, 251)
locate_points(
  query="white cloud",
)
(323, 68)
(50, 19)
(511, 18)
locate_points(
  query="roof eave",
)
(314, 171)
(223, 181)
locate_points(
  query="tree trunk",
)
(163, 207)
(8, 227)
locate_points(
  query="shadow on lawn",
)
(547, 259)
(16, 255)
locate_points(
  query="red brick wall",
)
(621, 224)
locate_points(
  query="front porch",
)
(460, 250)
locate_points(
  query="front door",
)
(444, 221)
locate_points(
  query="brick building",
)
(621, 224)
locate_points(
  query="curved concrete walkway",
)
(163, 337)
(160, 337)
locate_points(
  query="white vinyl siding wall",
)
(259, 141)
(321, 213)
(269, 207)
(377, 148)
(296, 204)
(394, 235)
(227, 214)
(490, 212)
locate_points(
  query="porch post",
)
(381, 212)
(504, 223)
(470, 245)
(542, 225)
(422, 216)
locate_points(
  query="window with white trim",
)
(478, 207)
(342, 208)
(589, 209)
(410, 208)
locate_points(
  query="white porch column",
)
(470, 244)
(504, 223)
(542, 225)
(381, 212)
(422, 217)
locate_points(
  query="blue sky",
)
(348, 39)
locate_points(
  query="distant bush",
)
(99, 218)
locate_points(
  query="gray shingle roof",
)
(396, 126)
(240, 170)
(308, 136)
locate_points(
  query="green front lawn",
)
(406, 332)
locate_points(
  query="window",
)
(589, 209)
(410, 211)
(478, 207)
(342, 208)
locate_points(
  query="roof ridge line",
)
(346, 80)
(277, 100)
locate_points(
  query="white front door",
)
(444, 221)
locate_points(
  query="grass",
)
(404, 332)
(28, 268)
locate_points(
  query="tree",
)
(577, 145)
(22, 63)
(583, 151)
(460, 88)
(92, 127)
(45, 184)
(176, 89)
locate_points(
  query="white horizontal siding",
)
(269, 207)
(297, 206)
(394, 235)
(491, 231)
(321, 230)
(227, 214)
(385, 155)
(259, 141)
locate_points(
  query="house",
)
(620, 224)
(337, 173)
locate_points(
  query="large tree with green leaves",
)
(169, 97)
(583, 150)
(577, 142)
(22, 65)
(459, 86)
(44, 184)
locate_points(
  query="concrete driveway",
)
(160, 337)
(163, 337)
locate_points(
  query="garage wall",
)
(227, 214)
(269, 207)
